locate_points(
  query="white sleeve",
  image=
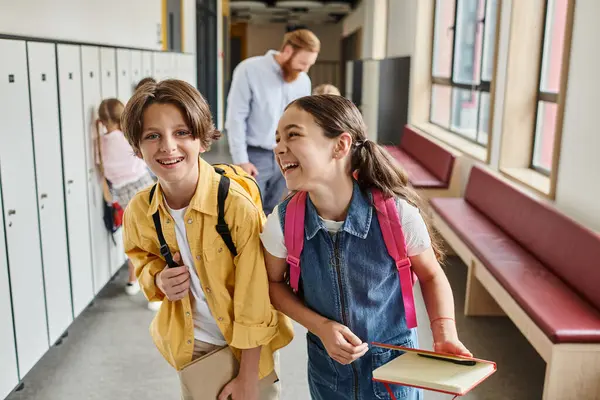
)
(414, 228)
(272, 235)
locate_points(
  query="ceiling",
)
(291, 12)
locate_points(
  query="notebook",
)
(416, 368)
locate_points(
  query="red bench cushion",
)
(562, 314)
(566, 248)
(419, 177)
(430, 155)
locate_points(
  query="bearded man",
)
(261, 88)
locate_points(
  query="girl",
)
(350, 291)
(125, 173)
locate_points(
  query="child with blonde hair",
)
(125, 173)
(326, 88)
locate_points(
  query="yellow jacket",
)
(237, 290)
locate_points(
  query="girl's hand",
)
(452, 347)
(445, 338)
(341, 344)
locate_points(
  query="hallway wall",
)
(135, 23)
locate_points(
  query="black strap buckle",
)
(164, 250)
(223, 229)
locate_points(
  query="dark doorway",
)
(206, 51)
(394, 86)
(235, 53)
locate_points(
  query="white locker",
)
(49, 177)
(20, 207)
(108, 78)
(157, 66)
(90, 69)
(171, 65)
(147, 67)
(136, 68)
(189, 68)
(124, 86)
(117, 252)
(75, 176)
(9, 378)
(179, 66)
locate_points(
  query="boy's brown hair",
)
(184, 96)
(302, 39)
(144, 81)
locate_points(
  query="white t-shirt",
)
(205, 326)
(414, 228)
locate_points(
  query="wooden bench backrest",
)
(568, 249)
(432, 156)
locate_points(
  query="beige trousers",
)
(269, 387)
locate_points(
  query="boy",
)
(211, 299)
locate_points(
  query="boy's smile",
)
(168, 146)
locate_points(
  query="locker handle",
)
(70, 181)
(44, 195)
(12, 212)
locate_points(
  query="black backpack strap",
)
(164, 248)
(222, 227)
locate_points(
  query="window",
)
(549, 85)
(462, 66)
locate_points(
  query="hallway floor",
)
(108, 353)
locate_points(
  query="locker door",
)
(90, 69)
(147, 67)
(124, 87)
(136, 68)
(20, 207)
(10, 374)
(108, 78)
(170, 69)
(190, 69)
(49, 177)
(117, 253)
(75, 176)
(157, 66)
(178, 66)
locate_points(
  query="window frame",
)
(476, 89)
(546, 96)
(522, 96)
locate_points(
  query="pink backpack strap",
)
(393, 236)
(294, 235)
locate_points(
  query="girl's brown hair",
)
(110, 111)
(181, 94)
(374, 166)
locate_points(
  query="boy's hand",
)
(241, 388)
(341, 344)
(174, 282)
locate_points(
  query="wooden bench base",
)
(572, 370)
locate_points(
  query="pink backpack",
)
(389, 220)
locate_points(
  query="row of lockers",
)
(55, 253)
